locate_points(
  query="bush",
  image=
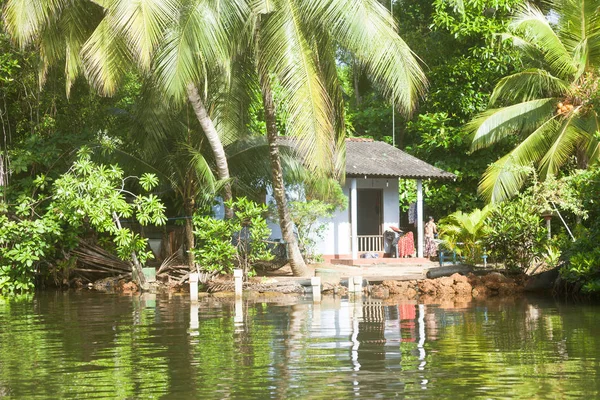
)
(92, 195)
(305, 215)
(582, 257)
(516, 234)
(222, 245)
(463, 233)
(24, 243)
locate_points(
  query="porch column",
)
(354, 218)
(420, 218)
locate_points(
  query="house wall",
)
(336, 238)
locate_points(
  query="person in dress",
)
(430, 243)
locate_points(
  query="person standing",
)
(430, 243)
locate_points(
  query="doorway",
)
(370, 211)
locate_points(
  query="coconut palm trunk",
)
(285, 221)
(213, 139)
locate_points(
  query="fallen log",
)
(449, 270)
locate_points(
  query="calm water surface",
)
(90, 345)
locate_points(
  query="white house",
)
(371, 185)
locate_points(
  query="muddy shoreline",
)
(457, 286)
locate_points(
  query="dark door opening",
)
(370, 211)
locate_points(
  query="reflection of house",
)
(372, 172)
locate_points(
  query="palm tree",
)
(294, 45)
(183, 43)
(103, 39)
(552, 105)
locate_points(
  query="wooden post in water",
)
(238, 275)
(315, 282)
(194, 277)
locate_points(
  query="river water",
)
(59, 345)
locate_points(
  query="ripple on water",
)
(86, 345)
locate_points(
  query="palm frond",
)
(579, 29)
(528, 85)
(504, 178)
(565, 141)
(236, 98)
(201, 167)
(367, 30)
(531, 23)
(105, 58)
(308, 109)
(143, 23)
(25, 19)
(77, 23)
(198, 38)
(493, 125)
(325, 50)
(590, 146)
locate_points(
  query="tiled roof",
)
(371, 158)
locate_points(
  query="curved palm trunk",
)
(285, 221)
(213, 139)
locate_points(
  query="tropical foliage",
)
(464, 233)
(95, 195)
(198, 92)
(552, 104)
(516, 234)
(39, 231)
(238, 242)
(582, 257)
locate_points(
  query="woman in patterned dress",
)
(430, 244)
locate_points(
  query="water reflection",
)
(72, 345)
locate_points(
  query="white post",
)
(238, 274)
(358, 284)
(354, 218)
(420, 232)
(315, 282)
(421, 343)
(194, 286)
(238, 318)
(549, 228)
(194, 321)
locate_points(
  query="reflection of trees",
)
(506, 349)
(67, 344)
(62, 345)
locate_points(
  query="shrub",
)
(222, 245)
(582, 257)
(516, 234)
(463, 233)
(24, 243)
(88, 195)
(305, 215)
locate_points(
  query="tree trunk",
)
(213, 139)
(285, 221)
(356, 78)
(136, 271)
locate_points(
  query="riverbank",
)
(426, 282)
